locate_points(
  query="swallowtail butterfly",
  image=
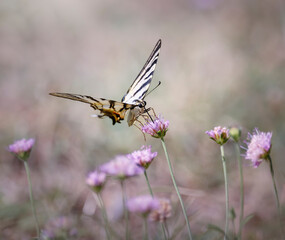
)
(133, 100)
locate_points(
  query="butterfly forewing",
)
(137, 91)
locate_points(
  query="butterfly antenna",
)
(146, 110)
(154, 88)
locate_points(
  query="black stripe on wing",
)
(140, 86)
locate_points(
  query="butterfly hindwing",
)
(110, 108)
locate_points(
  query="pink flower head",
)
(143, 204)
(156, 127)
(22, 148)
(219, 135)
(163, 212)
(143, 157)
(96, 180)
(121, 167)
(258, 147)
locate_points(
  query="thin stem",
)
(145, 229)
(234, 227)
(32, 199)
(148, 184)
(274, 184)
(164, 230)
(226, 191)
(176, 188)
(276, 195)
(104, 215)
(167, 229)
(126, 213)
(151, 193)
(241, 190)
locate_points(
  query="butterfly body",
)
(133, 100)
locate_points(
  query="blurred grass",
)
(221, 63)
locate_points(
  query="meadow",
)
(220, 64)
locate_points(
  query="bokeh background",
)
(221, 63)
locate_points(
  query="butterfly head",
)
(142, 104)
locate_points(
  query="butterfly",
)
(132, 101)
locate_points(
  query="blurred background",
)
(221, 63)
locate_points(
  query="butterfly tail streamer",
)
(76, 97)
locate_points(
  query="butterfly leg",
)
(151, 109)
(149, 116)
(140, 129)
(143, 115)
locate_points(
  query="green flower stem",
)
(104, 215)
(148, 184)
(274, 184)
(126, 213)
(151, 193)
(164, 230)
(276, 195)
(145, 229)
(32, 199)
(233, 226)
(176, 188)
(226, 191)
(241, 191)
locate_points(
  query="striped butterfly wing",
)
(137, 91)
(110, 108)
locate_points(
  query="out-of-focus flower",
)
(235, 133)
(163, 212)
(96, 180)
(258, 147)
(59, 228)
(22, 148)
(143, 157)
(156, 127)
(219, 135)
(121, 167)
(143, 204)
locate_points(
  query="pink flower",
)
(22, 148)
(156, 127)
(96, 180)
(143, 157)
(219, 135)
(121, 167)
(143, 204)
(258, 147)
(163, 212)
